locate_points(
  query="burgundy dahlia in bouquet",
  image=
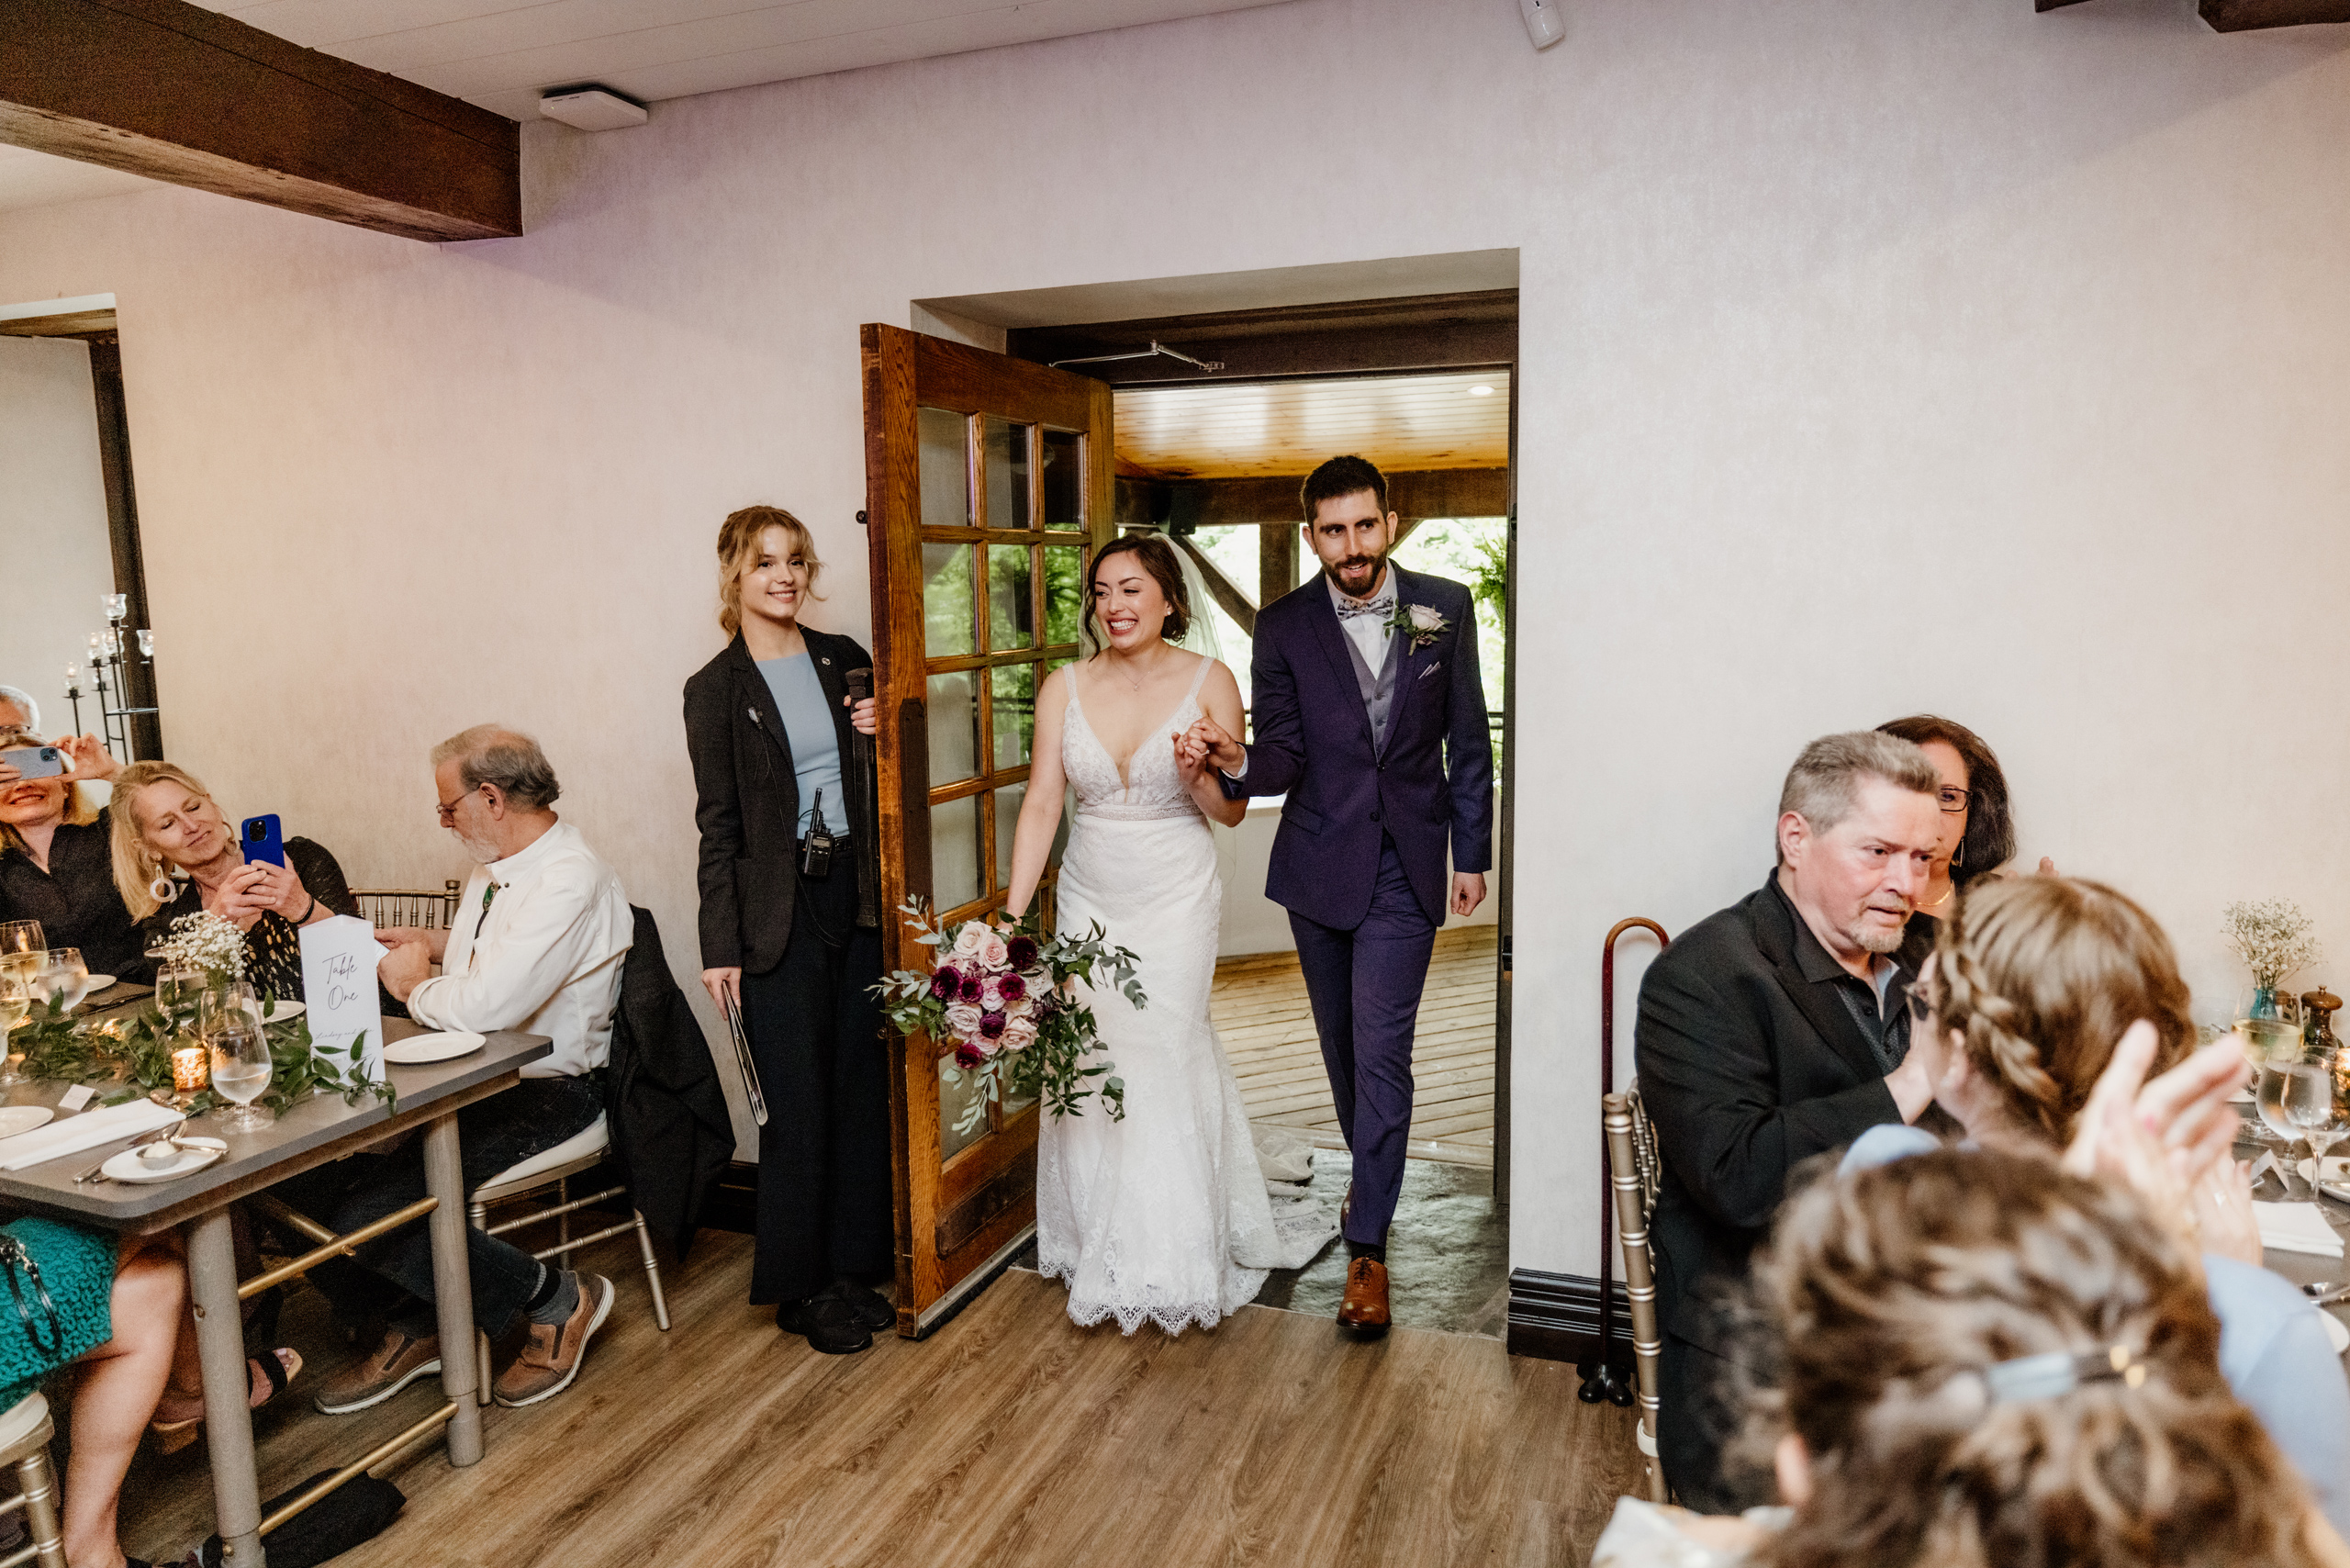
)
(1000, 998)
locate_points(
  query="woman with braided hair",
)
(2058, 997)
(1983, 1360)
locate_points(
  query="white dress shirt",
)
(543, 957)
(1369, 633)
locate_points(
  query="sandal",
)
(278, 1368)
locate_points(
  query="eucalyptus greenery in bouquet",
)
(2272, 936)
(1001, 995)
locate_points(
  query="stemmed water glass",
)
(2269, 1032)
(241, 1064)
(2313, 1103)
(21, 946)
(15, 1001)
(62, 973)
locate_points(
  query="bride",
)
(1163, 1216)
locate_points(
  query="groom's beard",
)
(1365, 584)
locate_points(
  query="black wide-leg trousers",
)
(814, 1028)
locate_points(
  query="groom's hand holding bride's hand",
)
(1217, 745)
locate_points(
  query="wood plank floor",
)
(1010, 1437)
(1260, 1009)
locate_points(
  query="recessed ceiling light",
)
(1481, 391)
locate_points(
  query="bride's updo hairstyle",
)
(2041, 974)
(1158, 558)
(1905, 1301)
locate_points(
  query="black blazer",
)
(1747, 1065)
(747, 803)
(670, 1132)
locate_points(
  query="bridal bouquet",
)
(1001, 996)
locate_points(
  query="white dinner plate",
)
(2337, 1170)
(128, 1167)
(433, 1047)
(98, 984)
(14, 1119)
(279, 1012)
(2241, 1096)
(2336, 1334)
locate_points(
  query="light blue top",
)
(815, 744)
(2273, 1349)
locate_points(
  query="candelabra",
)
(110, 664)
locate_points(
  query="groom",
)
(1370, 719)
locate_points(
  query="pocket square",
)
(1430, 671)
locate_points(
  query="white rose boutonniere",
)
(1419, 622)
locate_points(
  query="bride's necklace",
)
(1117, 665)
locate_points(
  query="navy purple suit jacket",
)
(1430, 787)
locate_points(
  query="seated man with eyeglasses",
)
(1770, 1032)
(539, 934)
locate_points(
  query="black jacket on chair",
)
(747, 803)
(1749, 1064)
(671, 1135)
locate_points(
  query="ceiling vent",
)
(592, 109)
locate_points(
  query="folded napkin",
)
(2297, 1227)
(71, 1134)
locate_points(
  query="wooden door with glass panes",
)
(988, 481)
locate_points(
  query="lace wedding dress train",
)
(1163, 1217)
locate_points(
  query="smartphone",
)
(263, 840)
(37, 761)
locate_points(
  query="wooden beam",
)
(1220, 588)
(175, 92)
(1225, 503)
(2245, 16)
(1277, 552)
(1352, 337)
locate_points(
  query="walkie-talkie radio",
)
(816, 849)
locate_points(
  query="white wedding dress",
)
(1163, 1217)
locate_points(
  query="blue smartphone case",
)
(263, 840)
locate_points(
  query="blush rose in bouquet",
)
(999, 995)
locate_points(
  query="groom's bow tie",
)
(1350, 608)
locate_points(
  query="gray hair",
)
(1822, 785)
(492, 754)
(25, 705)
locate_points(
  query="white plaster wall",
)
(1878, 355)
(55, 560)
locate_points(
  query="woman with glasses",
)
(1979, 835)
(2052, 992)
(54, 858)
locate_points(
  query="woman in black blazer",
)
(772, 728)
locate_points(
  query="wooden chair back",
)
(420, 907)
(1635, 1174)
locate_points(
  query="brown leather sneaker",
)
(1365, 1307)
(400, 1361)
(551, 1356)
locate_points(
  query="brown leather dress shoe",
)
(1365, 1307)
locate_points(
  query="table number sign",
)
(338, 984)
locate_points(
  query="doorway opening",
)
(1422, 389)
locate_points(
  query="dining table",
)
(324, 1127)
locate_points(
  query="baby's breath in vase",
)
(2273, 938)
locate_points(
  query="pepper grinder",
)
(2318, 1008)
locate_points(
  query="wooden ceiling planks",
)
(1224, 430)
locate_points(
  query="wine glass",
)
(15, 1001)
(2312, 1104)
(21, 945)
(2264, 1041)
(62, 974)
(176, 988)
(240, 1065)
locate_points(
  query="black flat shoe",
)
(868, 1309)
(827, 1324)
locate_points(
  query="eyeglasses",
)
(1954, 799)
(448, 809)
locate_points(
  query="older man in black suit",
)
(1772, 1030)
